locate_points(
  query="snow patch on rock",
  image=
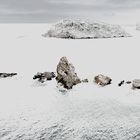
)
(79, 29)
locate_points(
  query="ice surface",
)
(33, 111)
(80, 29)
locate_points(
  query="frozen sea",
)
(33, 111)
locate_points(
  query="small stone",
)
(121, 83)
(102, 80)
(128, 82)
(42, 77)
(5, 75)
(85, 81)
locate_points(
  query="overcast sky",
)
(53, 10)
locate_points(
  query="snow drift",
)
(79, 29)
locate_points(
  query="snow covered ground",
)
(31, 111)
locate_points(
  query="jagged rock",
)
(66, 74)
(5, 75)
(80, 29)
(128, 82)
(42, 77)
(136, 84)
(121, 83)
(102, 80)
(84, 81)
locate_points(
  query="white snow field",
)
(33, 111)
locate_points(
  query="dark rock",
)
(136, 84)
(42, 77)
(5, 75)
(66, 74)
(128, 82)
(85, 81)
(121, 83)
(102, 80)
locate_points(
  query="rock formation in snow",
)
(79, 29)
(66, 74)
(42, 77)
(102, 80)
(5, 75)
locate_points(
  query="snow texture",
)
(79, 29)
(31, 110)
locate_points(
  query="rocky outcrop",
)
(136, 84)
(5, 75)
(80, 29)
(42, 77)
(66, 74)
(102, 80)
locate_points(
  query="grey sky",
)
(52, 10)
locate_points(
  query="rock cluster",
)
(102, 80)
(42, 77)
(66, 74)
(5, 75)
(123, 82)
(67, 77)
(80, 29)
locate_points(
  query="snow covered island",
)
(79, 29)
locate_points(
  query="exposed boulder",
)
(66, 74)
(121, 83)
(42, 77)
(85, 81)
(102, 80)
(80, 29)
(5, 75)
(136, 84)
